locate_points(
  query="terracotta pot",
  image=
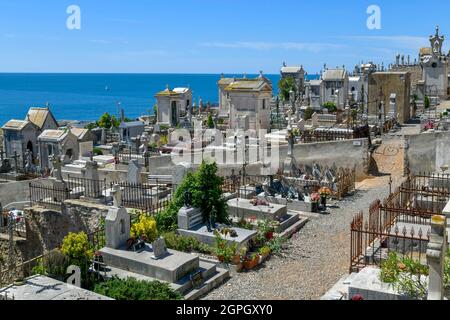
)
(236, 260)
(221, 258)
(269, 235)
(250, 264)
(239, 267)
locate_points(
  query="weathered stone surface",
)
(242, 208)
(117, 227)
(174, 266)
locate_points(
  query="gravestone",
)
(117, 227)
(315, 120)
(180, 171)
(134, 172)
(103, 137)
(189, 218)
(159, 248)
(301, 125)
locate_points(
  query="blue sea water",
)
(88, 96)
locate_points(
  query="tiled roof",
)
(15, 125)
(334, 74)
(53, 135)
(253, 85)
(38, 116)
(291, 69)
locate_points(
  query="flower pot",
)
(248, 264)
(269, 235)
(236, 260)
(315, 207)
(323, 201)
(239, 267)
(221, 258)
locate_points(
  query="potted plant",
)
(315, 198)
(251, 261)
(264, 252)
(324, 194)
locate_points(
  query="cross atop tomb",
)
(436, 42)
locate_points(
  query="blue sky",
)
(210, 36)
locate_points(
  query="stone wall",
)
(344, 153)
(414, 70)
(47, 228)
(391, 82)
(427, 152)
(19, 249)
(17, 191)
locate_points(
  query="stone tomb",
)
(170, 267)
(242, 208)
(190, 224)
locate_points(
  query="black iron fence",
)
(44, 195)
(148, 198)
(89, 188)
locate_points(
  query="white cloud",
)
(299, 46)
(399, 41)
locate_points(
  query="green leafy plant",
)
(132, 289)
(144, 227)
(406, 275)
(205, 187)
(427, 102)
(224, 250)
(210, 121)
(97, 151)
(276, 245)
(186, 244)
(330, 106)
(285, 86)
(308, 113)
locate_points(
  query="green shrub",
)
(308, 113)
(144, 227)
(404, 274)
(427, 102)
(132, 289)
(331, 106)
(186, 244)
(97, 151)
(205, 187)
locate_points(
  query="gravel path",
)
(315, 259)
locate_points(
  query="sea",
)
(86, 97)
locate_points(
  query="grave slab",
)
(242, 208)
(200, 232)
(171, 268)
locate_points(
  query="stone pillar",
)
(436, 252)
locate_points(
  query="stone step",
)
(291, 218)
(289, 232)
(207, 269)
(210, 284)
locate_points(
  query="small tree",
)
(330, 106)
(205, 187)
(427, 102)
(308, 113)
(210, 122)
(285, 86)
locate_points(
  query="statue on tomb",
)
(117, 196)
(187, 199)
(29, 166)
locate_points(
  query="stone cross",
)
(117, 196)
(56, 161)
(436, 253)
